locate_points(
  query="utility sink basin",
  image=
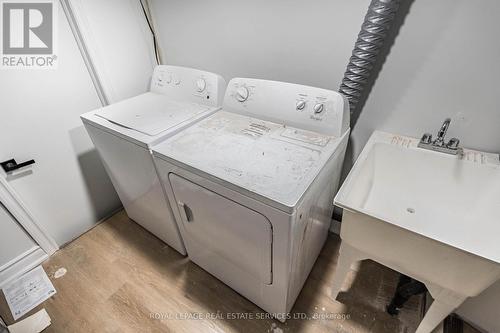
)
(451, 199)
(429, 215)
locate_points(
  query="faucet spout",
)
(439, 144)
(442, 132)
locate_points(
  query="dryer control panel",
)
(188, 84)
(313, 109)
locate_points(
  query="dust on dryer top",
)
(270, 139)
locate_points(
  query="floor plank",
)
(120, 278)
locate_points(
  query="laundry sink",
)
(452, 199)
(429, 215)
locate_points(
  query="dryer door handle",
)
(185, 211)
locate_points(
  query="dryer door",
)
(224, 237)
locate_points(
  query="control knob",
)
(242, 94)
(201, 84)
(300, 105)
(318, 108)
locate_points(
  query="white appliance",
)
(123, 133)
(252, 186)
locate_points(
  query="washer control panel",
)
(309, 108)
(188, 84)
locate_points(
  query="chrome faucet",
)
(451, 147)
(442, 132)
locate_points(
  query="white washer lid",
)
(150, 113)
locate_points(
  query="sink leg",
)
(406, 288)
(437, 312)
(348, 255)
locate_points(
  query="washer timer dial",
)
(201, 85)
(242, 94)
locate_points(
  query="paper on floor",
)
(26, 292)
(33, 324)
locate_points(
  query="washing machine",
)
(252, 186)
(123, 133)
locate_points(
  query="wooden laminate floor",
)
(120, 278)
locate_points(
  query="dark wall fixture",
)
(380, 27)
(375, 39)
(378, 32)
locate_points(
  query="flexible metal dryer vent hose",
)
(371, 38)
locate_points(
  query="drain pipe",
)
(367, 51)
(378, 32)
(361, 71)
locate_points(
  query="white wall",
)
(67, 190)
(444, 64)
(119, 44)
(299, 41)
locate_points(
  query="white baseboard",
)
(21, 264)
